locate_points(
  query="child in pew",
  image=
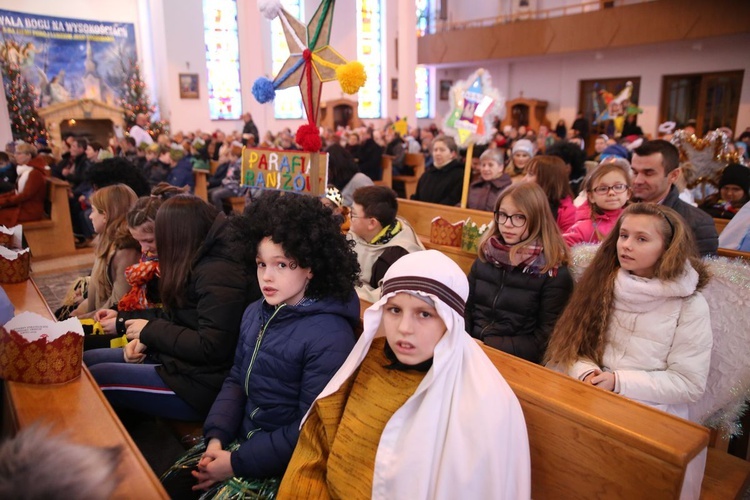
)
(608, 191)
(417, 410)
(520, 282)
(637, 323)
(292, 342)
(143, 277)
(115, 249)
(179, 356)
(550, 173)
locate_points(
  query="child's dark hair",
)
(307, 233)
(379, 202)
(182, 224)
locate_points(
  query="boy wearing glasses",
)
(381, 238)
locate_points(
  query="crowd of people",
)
(251, 323)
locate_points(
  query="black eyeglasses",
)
(617, 188)
(516, 220)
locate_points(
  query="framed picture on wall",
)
(394, 88)
(188, 85)
(445, 89)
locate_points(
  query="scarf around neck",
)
(532, 258)
(387, 233)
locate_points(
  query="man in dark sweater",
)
(655, 170)
(249, 129)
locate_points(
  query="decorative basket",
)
(471, 235)
(35, 350)
(10, 237)
(14, 265)
(443, 232)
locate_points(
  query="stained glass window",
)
(422, 80)
(370, 54)
(288, 102)
(424, 17)
(222, 59)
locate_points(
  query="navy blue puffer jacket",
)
(285, 357)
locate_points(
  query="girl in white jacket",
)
(636, 323)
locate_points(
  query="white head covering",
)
(462, 433)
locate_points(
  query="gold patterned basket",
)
(14, 265)
(443, 232)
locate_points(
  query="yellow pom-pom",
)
(351, 76)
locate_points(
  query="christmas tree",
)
(25, 123)
(135, 100)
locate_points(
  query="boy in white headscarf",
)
(417, 410)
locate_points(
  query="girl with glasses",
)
(520, 283)
(608, 191)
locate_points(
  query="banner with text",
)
(282, 170)
(68, 59)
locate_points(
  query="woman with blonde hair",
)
(115, 249)
(520, 282)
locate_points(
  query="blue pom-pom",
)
(263, 90)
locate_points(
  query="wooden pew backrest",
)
(420, 214)
(386, 164)
(720, 224)
(725, 252)
(417, 163)
(52, 237)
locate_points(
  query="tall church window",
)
(288, 102)
(222, 59)
(370, 54)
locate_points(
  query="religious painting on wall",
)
(68, 59)
(188, 85)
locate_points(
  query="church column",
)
(153, 53)
(407, 61)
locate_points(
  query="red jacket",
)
(28, 204)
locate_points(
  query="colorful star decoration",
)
(311, 61)
(476, 104)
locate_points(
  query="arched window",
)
(370, 54)
(222, 59)
(288, 102)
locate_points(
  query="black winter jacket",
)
(704, 230)
(195, 345)
(441, 185)
(285, 357)
(515, 311)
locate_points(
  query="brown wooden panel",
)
(622, 26)
(77, 408)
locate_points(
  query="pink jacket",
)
(566, 214)
(584, 231)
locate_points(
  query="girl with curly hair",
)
(115, 249)
(637, 324)
(292, 342)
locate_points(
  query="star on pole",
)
(312, 60)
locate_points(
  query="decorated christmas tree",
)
(135, 100)
(25, 123)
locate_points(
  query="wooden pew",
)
(52, 237)
(386, 165)
(201, 184)
(589, 443)
(720, 224)
(415, 161)
(420, 214)
(77, 408)
(725, 252)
